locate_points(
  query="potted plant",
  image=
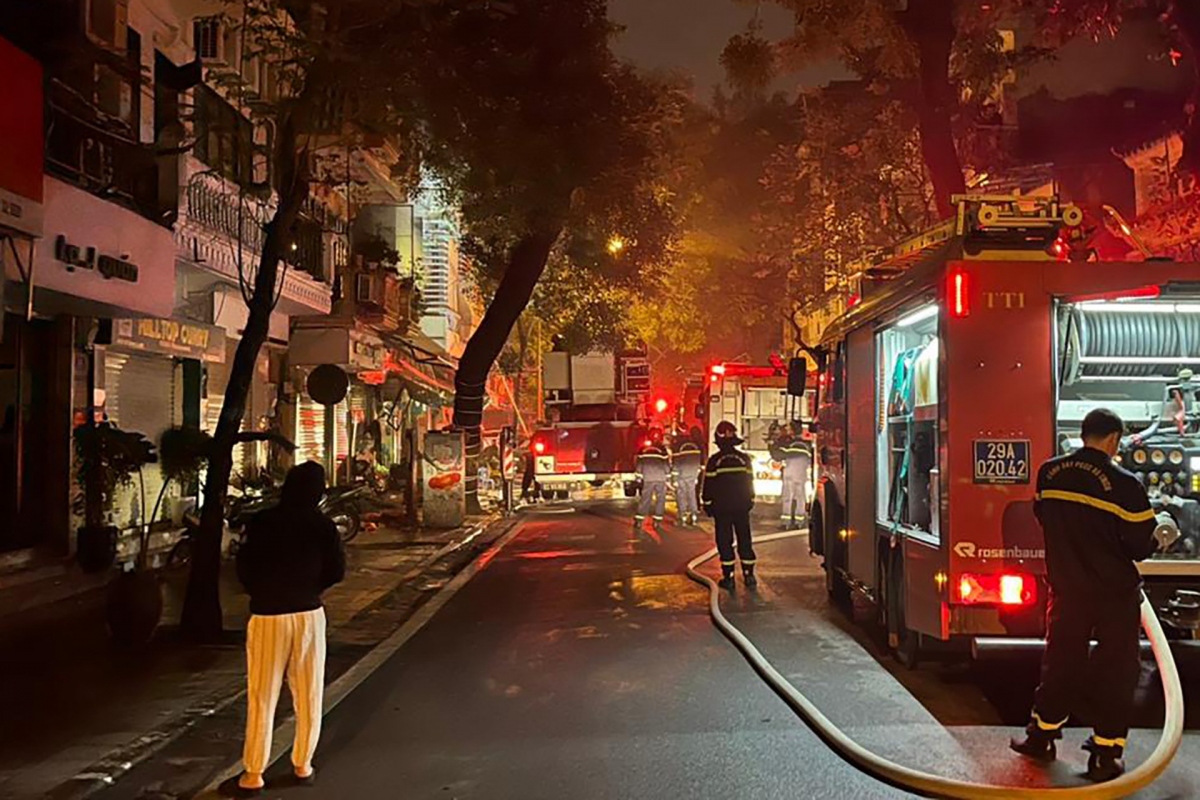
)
(135, 597)
(107, 459)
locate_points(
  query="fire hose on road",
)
(935, 786)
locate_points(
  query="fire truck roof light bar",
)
(920, 315)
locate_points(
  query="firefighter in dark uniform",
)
(1097, 522)
(728, 496)
(653, 467)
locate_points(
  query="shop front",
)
(331, 434)
(95, 262)
(147, 380)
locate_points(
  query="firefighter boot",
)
(748, 577)
(726, 581)
(1037, 744)
(658, 527)
(637, 523)
(1105, 762)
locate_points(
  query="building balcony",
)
(221, 231)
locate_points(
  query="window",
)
(224, 138)
(906, 423)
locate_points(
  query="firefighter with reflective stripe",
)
(1097, 522)
(653, 467)
(796, 455)
(687, 463)
(728, 495)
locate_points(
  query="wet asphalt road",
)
(581, 663)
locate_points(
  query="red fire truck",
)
(755, 399)
(596, 421)
(945, 387)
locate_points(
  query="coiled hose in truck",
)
(935, 786)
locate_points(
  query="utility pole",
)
(537, 344)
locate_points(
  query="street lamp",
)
(615, 245)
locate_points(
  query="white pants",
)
(291, 644)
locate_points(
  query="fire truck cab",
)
(947, 385)
(755, 399)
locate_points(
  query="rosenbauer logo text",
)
(971, 550)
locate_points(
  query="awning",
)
(431, 383)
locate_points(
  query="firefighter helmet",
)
(726, 432)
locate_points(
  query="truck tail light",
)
(539, 447)
(997, 589)
(958, 292)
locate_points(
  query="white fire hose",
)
(933, 785)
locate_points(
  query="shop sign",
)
(76, 257)
(170, 337)
(22, 132)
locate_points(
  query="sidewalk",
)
(80, 713)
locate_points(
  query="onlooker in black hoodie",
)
(291, 555)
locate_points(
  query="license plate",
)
(1004, 461)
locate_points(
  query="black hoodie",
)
(291, 553)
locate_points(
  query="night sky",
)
(688, 36)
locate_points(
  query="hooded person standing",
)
(728, 495)
(291, 555)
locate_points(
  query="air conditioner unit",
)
(209, 41)
(107, 23)
(368, 289)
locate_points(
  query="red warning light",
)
(660, 405)
(960, 299)
(539, 447)
(718, 369)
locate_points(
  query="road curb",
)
(108, 771)
(352, 678)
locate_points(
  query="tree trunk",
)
(1185, 16)
(202, 618)
(929, 25)
(526, 263)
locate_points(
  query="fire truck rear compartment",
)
(1138, 357)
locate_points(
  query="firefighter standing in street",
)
(796, 455)
(728, 495)
(654, 469)
(687, 463)
(1097, 522)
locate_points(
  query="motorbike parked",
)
(340, 504)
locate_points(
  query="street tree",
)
(1065, 19)
(329, 62)
(546, 142)
(940, 58)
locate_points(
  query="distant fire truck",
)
(755, 399)
(595, 408)
(944, 387)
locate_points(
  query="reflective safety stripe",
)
(749, 561)
(638, 518)
(658, 519)
(655, 456)
(728, 563)
(732, 470)
(1103, 742)
(1048, 726)
(1095, 502)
